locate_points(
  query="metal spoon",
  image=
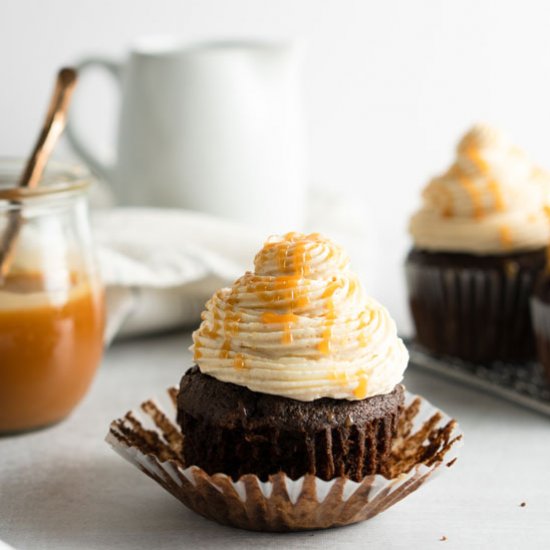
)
(53, 127)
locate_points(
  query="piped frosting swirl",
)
(492, 200)
(300, 326)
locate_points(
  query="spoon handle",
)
(53, 127)
(54, 124)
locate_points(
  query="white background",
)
(389, 86)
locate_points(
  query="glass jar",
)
(51, 299)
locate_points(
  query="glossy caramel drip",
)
(300, 260)
(284, 287)
(215, 324)
(292, 254)
(238, 361)
(494, 187)
(505, 236)
(496, 190)
(225, 349)
(197, 351)
(361, 391)
(285, 319)
(325, 344)
(230, 327)
(474, 194)
(340, 376)
(473, 154)
(364, 321)
(448, 209)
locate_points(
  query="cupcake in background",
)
(540, 315)
(478, 247)
(297, 370)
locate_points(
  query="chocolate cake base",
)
(233, 430)
(473, 307)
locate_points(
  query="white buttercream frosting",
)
(492, 200)
(300, 326)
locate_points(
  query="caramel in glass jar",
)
(51, 339)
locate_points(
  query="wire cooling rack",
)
(524, 384)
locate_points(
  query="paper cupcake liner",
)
(150, 439)
(540, 314)
(479, 315)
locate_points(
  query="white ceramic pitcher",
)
(214, 127)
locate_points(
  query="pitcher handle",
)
(100, 167)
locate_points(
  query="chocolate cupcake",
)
(540, 315)
(479, 246)
(298, 370)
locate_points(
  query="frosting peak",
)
(480, 136)
(300, 326)
(490, 201)
(299, 255)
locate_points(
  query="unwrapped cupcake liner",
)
(427, 439)
(479, 315)
(540, 314)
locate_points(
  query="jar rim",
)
(60, 178)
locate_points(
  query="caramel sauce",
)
(505, 236)
(441, 197)
(362, 388)
(473, 154)
(493, 185)
(285, 319)
(225, 349)
(292, 257)
(496, 191)
(474, 194)
(363, 339)
(51, 340)
(196, 350)
(238, 361)
(326, 336)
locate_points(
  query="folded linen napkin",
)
(160, 266)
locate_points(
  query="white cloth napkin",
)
(160, 266)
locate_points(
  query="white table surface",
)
(65, 488)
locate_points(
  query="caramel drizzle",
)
(473, 154)
(293, 258)
(293, 254)
(496, 190)
(474, 194)
(197, 354)
(238, 361)
(492, 185)
(505, 236)
(285, 319)
(330, 317)
(363, 339)
(230, 329)
(448, 209)
(361, 389)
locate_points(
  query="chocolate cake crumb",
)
(328, 438)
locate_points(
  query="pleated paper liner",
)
(149, 438)
(476, 314)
